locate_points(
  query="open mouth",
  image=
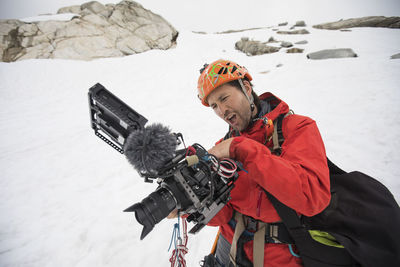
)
(231, 118)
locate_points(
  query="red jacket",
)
(299, 178)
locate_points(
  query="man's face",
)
(231, 105)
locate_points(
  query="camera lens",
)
(153, 209)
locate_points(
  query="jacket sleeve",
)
(299, 178)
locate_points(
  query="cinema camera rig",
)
(190, 180)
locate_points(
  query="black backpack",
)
(363, 216)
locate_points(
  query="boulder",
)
(241, 30)
(294, 50)
(283, 24)
(302, 31)
(395, 56)
(300, 23)
(252, 48)
(302, 42)
(332, 53)
(286, 44)
(98, 30)
(371, 21)
(70, 9)
(93, 7)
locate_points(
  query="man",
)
(295, 173)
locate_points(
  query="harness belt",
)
(247, 229)
(275, 233)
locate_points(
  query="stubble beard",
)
(244, 119)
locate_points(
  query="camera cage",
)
(112, 121)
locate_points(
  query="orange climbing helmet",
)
(217, 73)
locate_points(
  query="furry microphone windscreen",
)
(150, 148)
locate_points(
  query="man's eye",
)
(224, 98)
(213, 106)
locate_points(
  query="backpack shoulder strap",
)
(288, 215)
(277, 136)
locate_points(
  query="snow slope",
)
(62, 190)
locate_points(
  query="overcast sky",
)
(193, 14)
(10, 9)
(27, 8)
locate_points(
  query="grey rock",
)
(86, 47)
(272, 40)
(95, 19)
(286, 44)
(283, 24)
(300, 23)
(395, 56)
(302, 31)
(371, 21)
(252, 48)
(94, 7)
(9, 25)
(264, 72)
(70, 9)
(26, 30)
(294, 50)
(97, 31)
(279, 65)
(332, 53)
(302, 42)
(241, 30)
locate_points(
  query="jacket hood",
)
(276, 106)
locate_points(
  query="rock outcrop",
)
(332, 53)
(286, 44)
(372, 21)
(302, 42)
(302, 31)
(395, 56)
(96, 31)
(294, 50)
(252, 48)
(300, 23)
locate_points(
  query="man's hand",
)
(173, 214)
(221, 150)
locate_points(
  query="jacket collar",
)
(271, 108)
(277, 106)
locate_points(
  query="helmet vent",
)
(234, 68)
(203, 68)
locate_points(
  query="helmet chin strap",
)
(250, 99)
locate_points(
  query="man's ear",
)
(249, 89)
